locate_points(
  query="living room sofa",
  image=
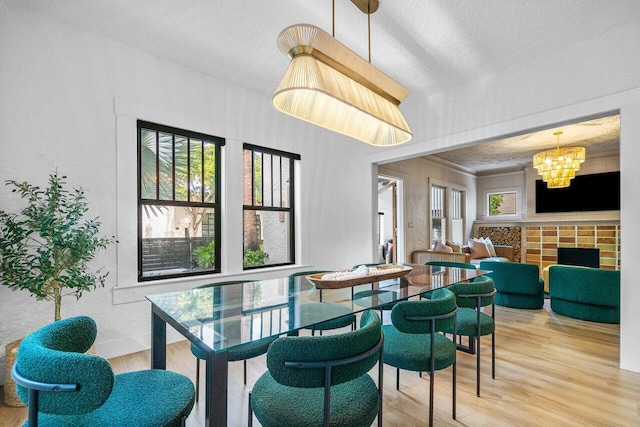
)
(421, 256)
(518, 285)
(585, 293)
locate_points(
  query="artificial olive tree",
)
(45, 248)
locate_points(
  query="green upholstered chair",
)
(64, 386)
(451, 264)
(376, 295)
(415, 342)
(472, 322)
(322, 380)
(242, 352)
(317, 310)
(518, 285)
(585, 293)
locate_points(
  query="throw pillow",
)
(441, 247)
(489, 243)
(456, 248)
(478, 249)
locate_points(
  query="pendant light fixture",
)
(329, 85)
(558, 166)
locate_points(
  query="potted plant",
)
(45, 248)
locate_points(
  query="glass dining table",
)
(217, 318)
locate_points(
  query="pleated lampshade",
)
(328, 85)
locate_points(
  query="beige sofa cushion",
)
(478, 249)
(424, 255)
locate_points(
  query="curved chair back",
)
(54, 354)
(436, 314)
(467, 293)
(305, 361)
(451, 264)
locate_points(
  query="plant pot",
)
(10, 396)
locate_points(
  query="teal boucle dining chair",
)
(64, 386)
(415, 340)
(322, 380)
(472, 322)
(471, 297)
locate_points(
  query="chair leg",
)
(245, 371)
(493, 355)
(250, 413)
(431, 378)
(454, 390)
(478, 366)
(397, 378)
(197, 379)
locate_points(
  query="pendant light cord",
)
(333, 18)
(369, 28)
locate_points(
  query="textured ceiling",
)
(429, 46)
(599, 137)
(426, 45)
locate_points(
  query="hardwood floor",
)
(551, 370)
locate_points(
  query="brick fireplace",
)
(542, 243)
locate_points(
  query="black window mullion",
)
(271, 189)
(202, 170)
(189, 169)
(173, 167)
(262, 178)
(157, 165)
(281, 181)
(253, 178)
(292, 225)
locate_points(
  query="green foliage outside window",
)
(205, 255)
(495, 200)
(252, 258)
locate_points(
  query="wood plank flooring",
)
(551, 370)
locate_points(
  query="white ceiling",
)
(600, 137)
(428, 46)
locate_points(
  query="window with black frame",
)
(178, 202)
(268, 207)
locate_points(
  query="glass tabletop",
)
(226, 316)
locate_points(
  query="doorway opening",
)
(390, 220)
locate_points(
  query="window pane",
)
(248, 177)
(266, 238)
(502, 204)
(438, 231)
(266, 181)
(195, 170)
(209, 172)
(182, 179)
(437, 201)
(285, 182)
(257, 179)
(165, 161)
(148, 164)
(276, 190)
(173, 241)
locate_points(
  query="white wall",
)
(69, 100)
(416, 196)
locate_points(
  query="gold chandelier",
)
(558, 166)
(328, 85)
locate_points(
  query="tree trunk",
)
(57, 299)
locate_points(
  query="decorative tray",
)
(342, 279)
